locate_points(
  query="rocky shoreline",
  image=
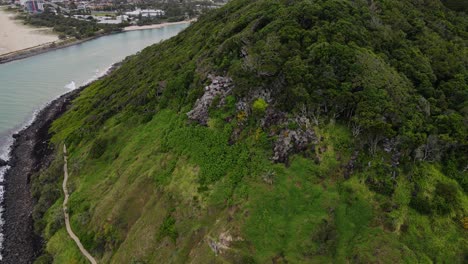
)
(30, 153)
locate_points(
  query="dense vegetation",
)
(69, 27)
(383, 87)
(457, 5)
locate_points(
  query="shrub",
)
(98, 148)
(57, 222)
(168, 229)
(45, 259)
(259, 106)
(421, 204)
(445, 198)
(444, 201)
(380, 179)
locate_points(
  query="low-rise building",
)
(110, 20)
(34, 6)
(146, 13)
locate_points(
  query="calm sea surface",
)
(29, 84)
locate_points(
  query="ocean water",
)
(27, 85)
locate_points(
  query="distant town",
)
(128, 12)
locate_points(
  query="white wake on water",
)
(71, 86)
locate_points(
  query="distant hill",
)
(273, 132)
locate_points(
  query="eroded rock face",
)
(220, 87)
(273, 117)
(222, 243)
(351, 164)
(289, 140)
(244, 104)
(292, 141)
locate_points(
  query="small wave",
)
(2, 178)
(71, 85)
(98, 74)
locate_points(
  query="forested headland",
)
(327, 131)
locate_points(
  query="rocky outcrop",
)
(273, 117)
(220, 87)
(3, 163)
(391, 146)
(245, 103)
(292, 141)
(289, 140)
(222, 242)
(351, 164)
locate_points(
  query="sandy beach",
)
(130, 28)
(18, 41)
(15, 36)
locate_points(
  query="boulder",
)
(292, 141)
(220, 87)
(3, 163)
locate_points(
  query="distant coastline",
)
(59, 44)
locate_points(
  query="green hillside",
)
(327, 131)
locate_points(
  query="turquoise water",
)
(28, 85)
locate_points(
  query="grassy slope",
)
(150, 187)
(150, 173)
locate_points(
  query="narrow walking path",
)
(65, 211)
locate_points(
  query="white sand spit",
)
(130, 28)
(15, 36)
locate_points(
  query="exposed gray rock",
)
(291, 141)
(391, 146)
(223, 242)
(243, 106)
(264, 94)
(269, 177)
(245, 103)
(273, 117)
(214, 246)
(350, 166)
(220, 87)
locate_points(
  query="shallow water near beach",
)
(29, 84)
